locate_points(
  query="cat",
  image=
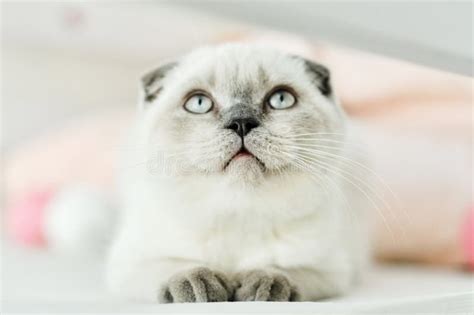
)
(234, 188)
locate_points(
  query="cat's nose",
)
(242, 126)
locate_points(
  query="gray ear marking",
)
(152, 81)
(321, 74)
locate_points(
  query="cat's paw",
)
(261, 285)
(196, 285)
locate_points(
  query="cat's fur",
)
(197, 228)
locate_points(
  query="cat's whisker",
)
(332, 170)
(282, 171)
(354, 218)
(336, 189)
(161, 158)
(327, 135)
(368, 196)
(321, 141)
(314, 142)
(323, 146)
(378, 178)
(372, 191)
(325, 185)
(294, 134)
(353, 163)
(345, 142)
(189, 148)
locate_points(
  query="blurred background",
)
(61, 59)
(403, 70)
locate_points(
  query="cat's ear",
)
(321, 76)
(152, 82)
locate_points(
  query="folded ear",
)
(152, 82)
(321, 75)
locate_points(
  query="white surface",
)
(38, 281)
(433, 33)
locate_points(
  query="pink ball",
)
(468, 239)
(25, 218)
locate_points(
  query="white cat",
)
(235, 184)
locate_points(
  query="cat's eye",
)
(198, 104)
(281, 99)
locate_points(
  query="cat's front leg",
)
(168, 281)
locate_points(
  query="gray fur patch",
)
(243, 92)
(151, 82)
(262, 76)
(322, 76)
(240, 111)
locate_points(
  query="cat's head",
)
(242, 112)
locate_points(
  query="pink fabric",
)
(82, 151)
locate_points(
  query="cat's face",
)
(244, 112)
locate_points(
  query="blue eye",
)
(198, 104)
(281, 99)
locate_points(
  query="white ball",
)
(79, 220)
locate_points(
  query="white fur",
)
(186, 212)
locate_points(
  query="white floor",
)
(41, 282)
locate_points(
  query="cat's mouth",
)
(242, 154)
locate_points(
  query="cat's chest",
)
(236, 243)
(229, 231)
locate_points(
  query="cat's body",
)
(202, 222)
